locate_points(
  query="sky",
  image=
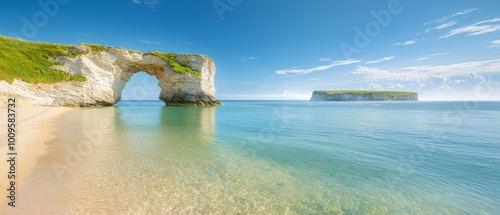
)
(444, 50)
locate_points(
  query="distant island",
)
(363, 95)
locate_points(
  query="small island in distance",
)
(363, 95)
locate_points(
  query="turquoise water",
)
(285, 157)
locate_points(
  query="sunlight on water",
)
(286, 157)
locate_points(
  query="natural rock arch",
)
(108, 71)
(176, 88)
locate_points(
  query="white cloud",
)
(421, 58)
(319, 68)
(325, 59)
(471, 88)
(315, 79)
(445, 25)
(476, 80)
(152, 2)
(488, 21)
(150, 42)
(380, 60)
(373, 86)
(149, 3)
(419, 73)
(475, 29)
(495, 43)
(248, 58)
(439, 27)
(409, 42)
(442, 19)
(396, 86)
(430, 56)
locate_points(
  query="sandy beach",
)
(35, 126)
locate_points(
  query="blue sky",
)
(447, 49)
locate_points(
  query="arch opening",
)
(140, 87)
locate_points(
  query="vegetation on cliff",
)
(365, 95)
(366, 92)
(32, 61)
(171, 59)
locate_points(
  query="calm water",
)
(283, 157)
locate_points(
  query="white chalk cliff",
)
(108, 71)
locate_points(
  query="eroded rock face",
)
(107, 72)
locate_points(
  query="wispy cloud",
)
(188, 43)
(149, 3)
(430, 56)
(150, 42)
(416, 73)
(445, 25)
(396, 86)
(248, 58)
(409, 42)
(380, 60)
(152, 3)
(478, 28)
(325, 59)
(250, 83)
(315, 79)
(373, 86)
(319, 68)
(495, 43)
(439, 27)
(443, 19)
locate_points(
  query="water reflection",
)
(183, 124)
(165, 135)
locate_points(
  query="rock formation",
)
(106, 74)
(362, 95)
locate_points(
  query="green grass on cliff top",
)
(365, 92)
(31, 61)
(176, 66)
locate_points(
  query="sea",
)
(278, 157)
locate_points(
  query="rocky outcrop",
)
(106, 74)
(362, 95)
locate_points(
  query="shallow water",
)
(277, 157)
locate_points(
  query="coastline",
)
(35, 127)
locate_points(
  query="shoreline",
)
(35, 127)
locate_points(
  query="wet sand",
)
(35, 127)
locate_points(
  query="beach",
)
(35, 127)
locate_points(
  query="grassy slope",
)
(32, 61)
(366, 92)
